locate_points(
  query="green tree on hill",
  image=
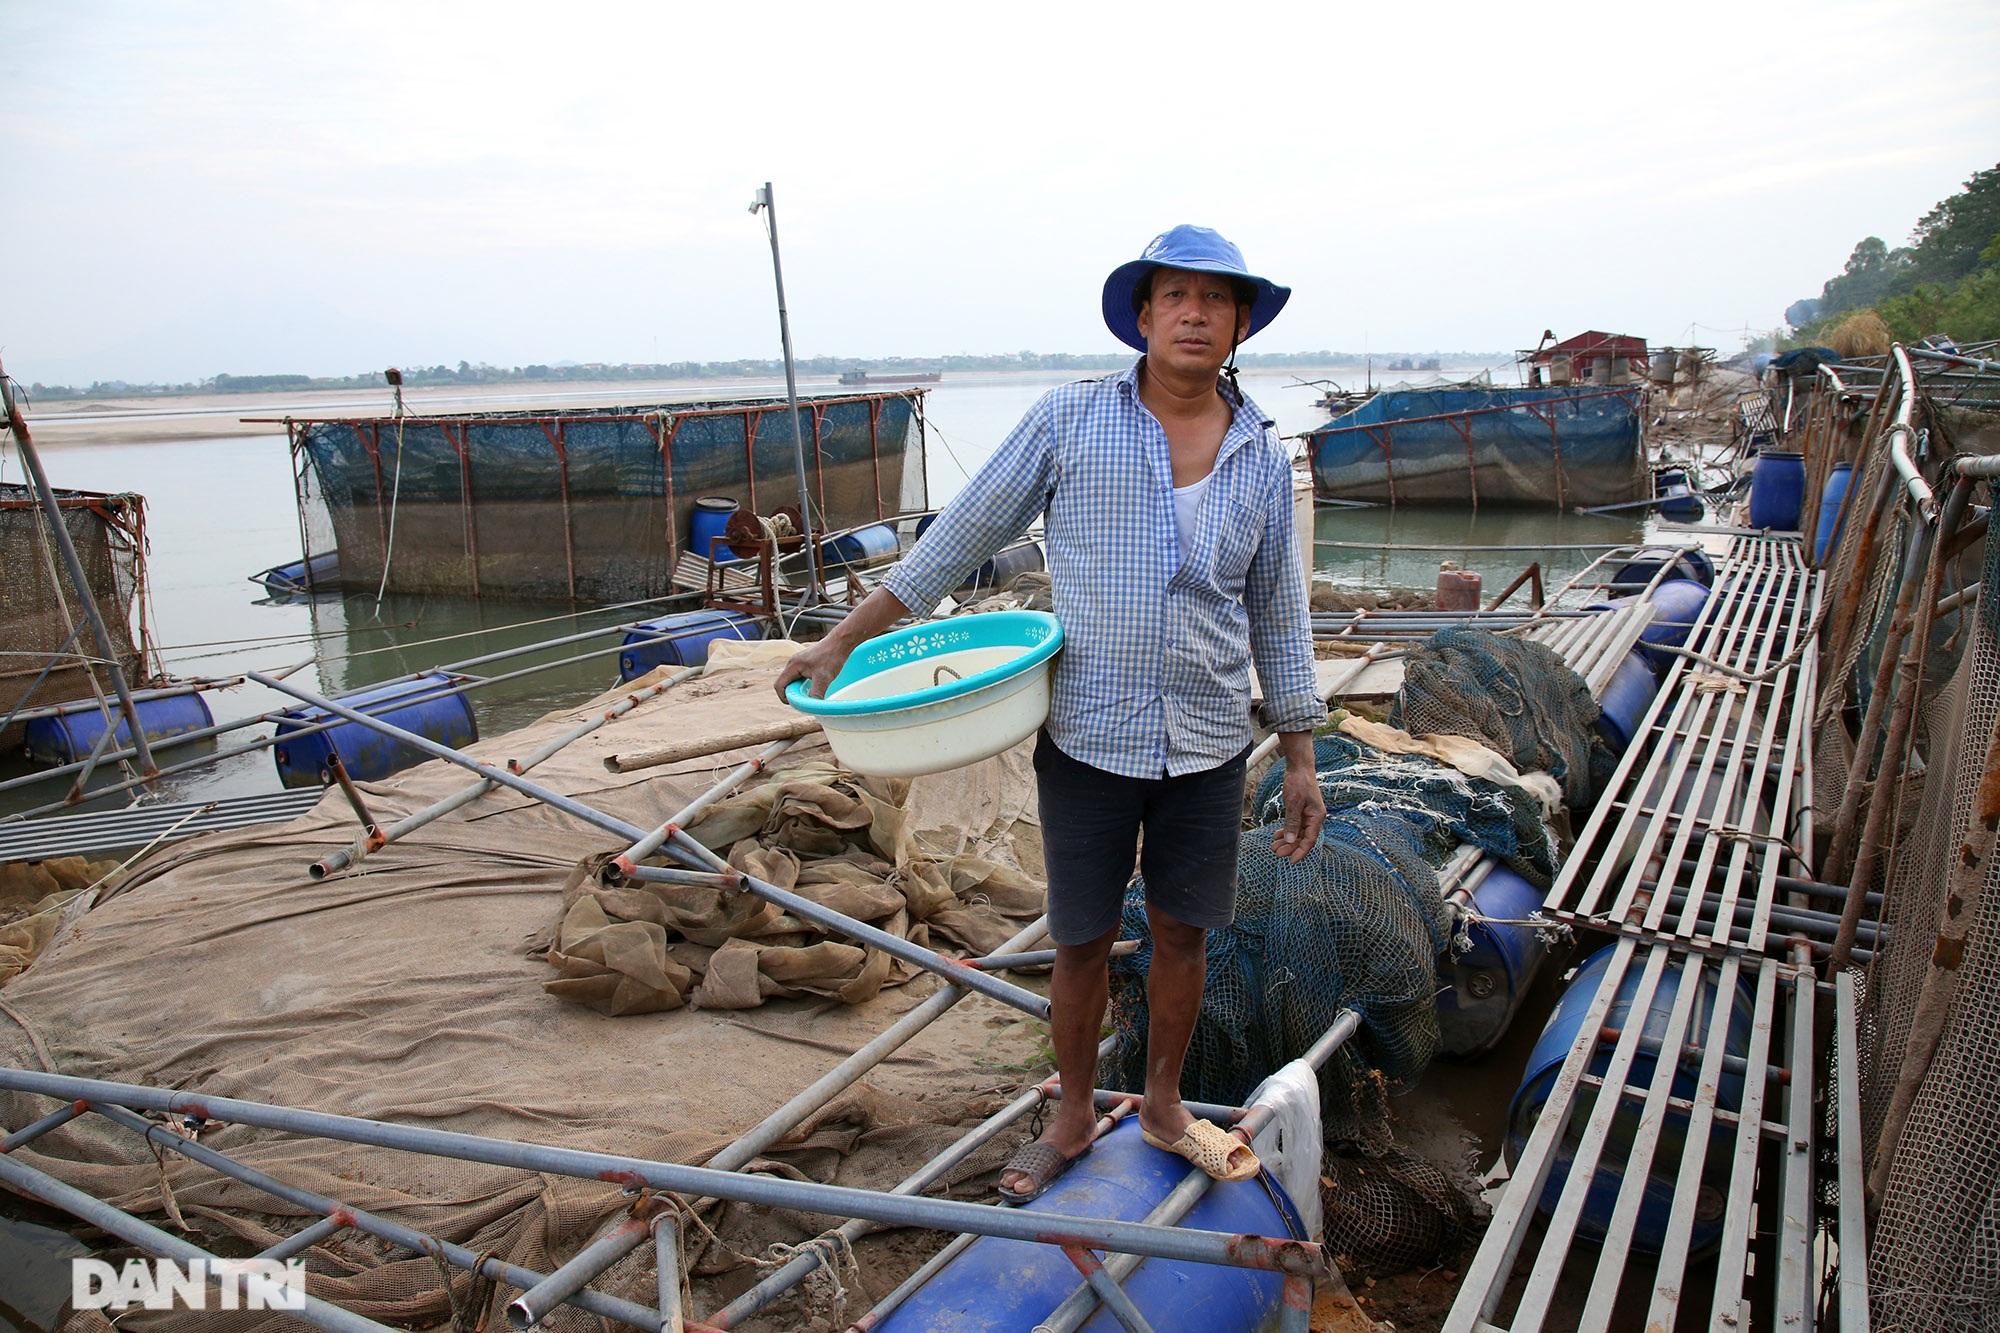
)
(1947, 280)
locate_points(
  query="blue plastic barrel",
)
(1488, 982)
(367, 754)
(1677, 499)
(70, 736)
(321, 573)
(1626, 698)
(1008, 565)
(1826, 535)
(1777, 491)
(686, 643)
(1009, 1286)
(863, 546)
(711, 516)
(1692, 563)
(1546, 1062)
(1676, 605)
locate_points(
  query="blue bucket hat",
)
(1199, 250)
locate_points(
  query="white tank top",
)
(1187, 507)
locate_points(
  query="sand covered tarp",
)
(417, 987)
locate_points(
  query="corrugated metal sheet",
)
(135, 826)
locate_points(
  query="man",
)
(1167, 507)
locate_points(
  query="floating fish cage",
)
(593, 504)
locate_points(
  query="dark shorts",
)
(1091, 821)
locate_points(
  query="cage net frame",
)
(41, 618)
(585, 504)
(1934, 1250)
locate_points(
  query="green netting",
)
(1360, 921)
(1516, 696)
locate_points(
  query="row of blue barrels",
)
(1485, 985)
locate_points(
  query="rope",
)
(395, 496)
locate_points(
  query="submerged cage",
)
(588, 503)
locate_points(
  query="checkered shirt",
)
(1154, 676)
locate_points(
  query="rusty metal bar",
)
(1908, 686)
(371, 831)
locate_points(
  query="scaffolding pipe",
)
(808, 1258)
(667, 1263)
(395, 1233)
(539, 1301)
(24, 1179)
(1265, 1253)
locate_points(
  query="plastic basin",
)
(937, 696)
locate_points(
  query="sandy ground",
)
(206, 416)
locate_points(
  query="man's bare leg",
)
(1078, 993)
(1173, 1003)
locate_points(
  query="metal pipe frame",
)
(381, 1228)
(715, 872)
(273, 715)
(348, 856)
(1699, 878)
(809, 1258)
(1302, 1258)
(24, 1179)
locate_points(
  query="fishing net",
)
(1433, 806)
(1389, 1210)
(1358, 924)
(1515, 695)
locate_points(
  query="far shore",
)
(166, 418)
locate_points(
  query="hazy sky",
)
(256, 186)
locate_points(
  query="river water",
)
(220, 509)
